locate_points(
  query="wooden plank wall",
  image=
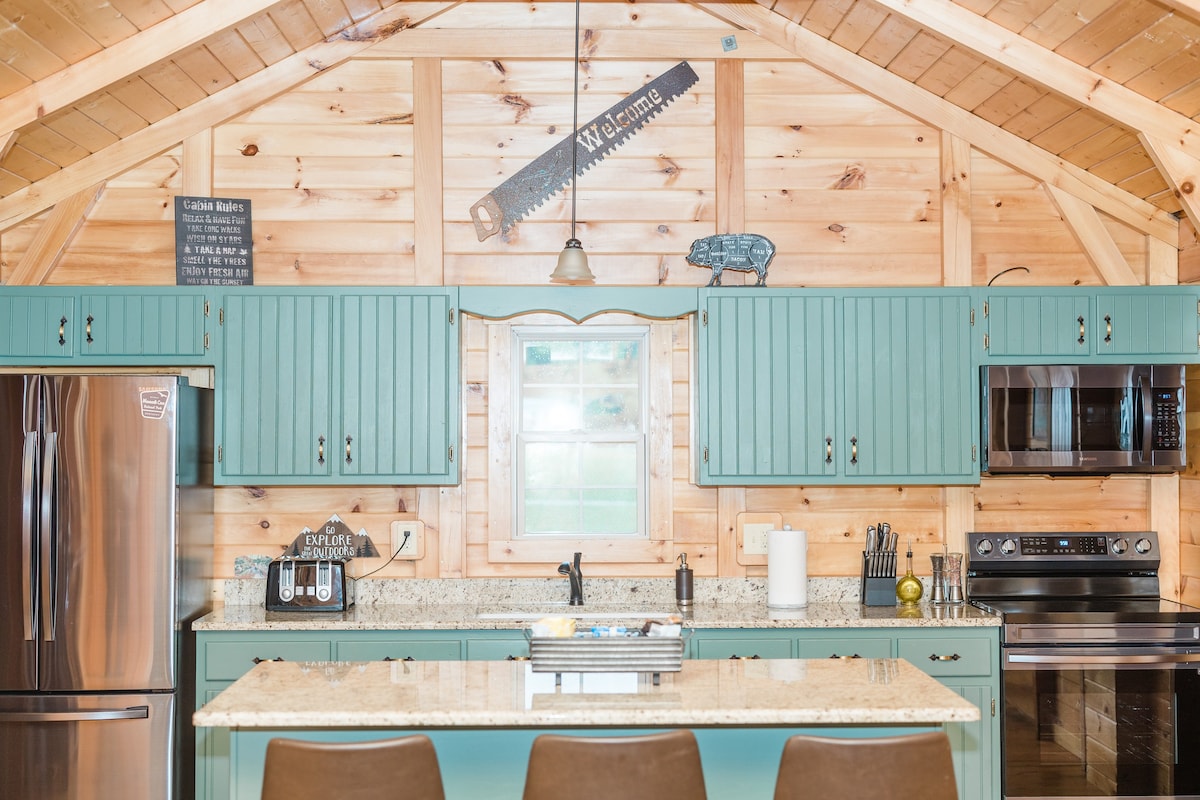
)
(848, 187)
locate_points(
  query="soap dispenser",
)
(683, 583)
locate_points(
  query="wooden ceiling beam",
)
(213, 110)
(1188, 8)
(128, 57)
(53, 237)
(1046, 68)
(933, 110)
(1182, 171)
(1093, 238)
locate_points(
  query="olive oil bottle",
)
(909, 588)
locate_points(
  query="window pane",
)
(612, 511)
(552, 511)
(550, 362)
(611, 362)
(550, 409)
(550, 464)
(611, 410)
(610, 464)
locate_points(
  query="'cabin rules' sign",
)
(213, 245)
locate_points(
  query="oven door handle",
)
(1101, 660)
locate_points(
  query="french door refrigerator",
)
(105, 553)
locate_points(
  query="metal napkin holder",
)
(653, 654)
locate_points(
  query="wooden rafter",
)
(1182, 172)
(939, 113)
(128, 57)
(53, 238)
(213, 110)
(1093, 238)
(1046, 68)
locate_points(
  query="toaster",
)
(307, 584)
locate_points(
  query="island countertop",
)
(505, 694)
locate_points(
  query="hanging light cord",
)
(575, 121)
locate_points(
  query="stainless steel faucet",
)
(572, 571)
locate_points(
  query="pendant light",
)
(572, 261)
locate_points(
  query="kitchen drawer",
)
(418, 649)
(497, 649)
(742, 647)
(845, 648)
(231, 660)
(945, 656)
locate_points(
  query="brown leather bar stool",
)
(882, 768)
(653, 766)
(388, 768)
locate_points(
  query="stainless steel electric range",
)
(1100, 676)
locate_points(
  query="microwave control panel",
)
(1165, 419)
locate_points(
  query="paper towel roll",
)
(787, 568)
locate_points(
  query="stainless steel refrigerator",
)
(105, 558)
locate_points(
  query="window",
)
(580, 431)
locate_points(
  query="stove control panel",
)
(1063, 547)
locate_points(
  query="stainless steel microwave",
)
(1094, 418)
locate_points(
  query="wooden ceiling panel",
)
(1028, 67)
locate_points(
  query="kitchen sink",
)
(576, 612)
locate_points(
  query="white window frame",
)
(503, 547)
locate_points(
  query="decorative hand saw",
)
(533, 184)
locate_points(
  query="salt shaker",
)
(937, 587)
(953, 570)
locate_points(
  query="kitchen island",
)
(483, 715)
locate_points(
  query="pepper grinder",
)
(937, 585)
(953, 568)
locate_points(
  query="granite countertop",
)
(504, 694)
(481, 604)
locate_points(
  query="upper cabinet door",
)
(908, 391)
(1149, 323)
(143, 325)
(275, 389)
(1039, 324)
(766, 386)
(399, 387)
(36, 326)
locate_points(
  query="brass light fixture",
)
(572, 261)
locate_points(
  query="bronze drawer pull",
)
(936, 657)
(835, 655)
(258, 660)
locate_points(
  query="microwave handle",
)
(1147, 417)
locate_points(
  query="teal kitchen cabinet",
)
(1152, 324)
(224, 656)
(847, 387)
(966, 660)
(145, 325)
(321, 387)
(127, 326)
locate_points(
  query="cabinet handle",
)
(853, 449)
(62, 331)
(1107, 329)
(953, 657)
(321, 450)
(88, 329)
(1081, 329)
(258, 660)
(406, 658)
(828, 450)
(349, 460)
(736, 657)
(835, 655)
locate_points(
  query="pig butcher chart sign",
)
(745, 252)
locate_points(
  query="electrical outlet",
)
(754, 538)
(408, 540)
(728, 43)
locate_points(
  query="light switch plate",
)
(408, 540)
(755, 541)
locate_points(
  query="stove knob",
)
(1142, 546)
(1119, 546)
(983, 547)
(1008, 547)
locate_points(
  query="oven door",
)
(1101, 722)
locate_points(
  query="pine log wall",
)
(365, 175)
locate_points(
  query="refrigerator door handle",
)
(49, 557)
(28, 468)
(134, 712)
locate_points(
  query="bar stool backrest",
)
(372, 770)
(918, 765)
(655, 766)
